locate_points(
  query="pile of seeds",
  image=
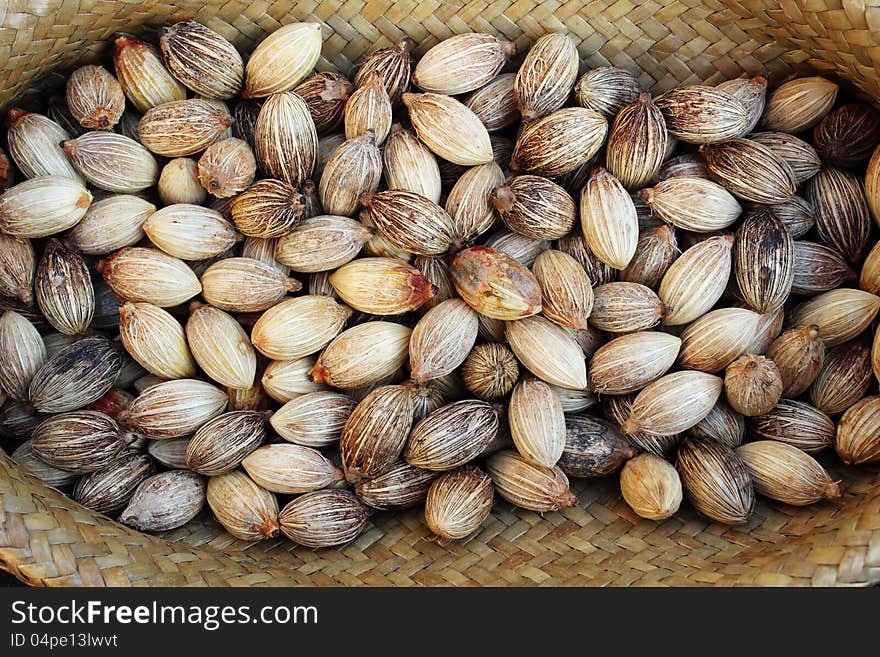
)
(300, 298)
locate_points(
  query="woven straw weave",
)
(47, 539)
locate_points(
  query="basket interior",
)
(48, 540)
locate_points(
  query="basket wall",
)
(47, 539)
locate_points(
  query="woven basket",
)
(47, 539)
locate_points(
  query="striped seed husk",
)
(847, 135)
(567, 293)
(842, 218)
(315, 419)
(410, 221)
(494, 284)
(625, 307)
(43, 206)
(796, 423)
(112, 162)
(363, 355)
(462, 63)
(165, 501)
(752, 385)
(52, 477)
(290, 469)
(392, 65)
(221, 347)
(559, 143)
(108, 490)
(110, 224)
(23, 354)
(227, 167)
(155, 339)
(799, 104)
(284, 380)
(268, 208)
(34, 143)
(523, 249)
(714, 340)
(368, 109)
(799, 353)
(285, 139)
(722, 424)
(375, 433)
(636, 143)
(535, 207)
(325, 94)
(202, 59)
(844, 378)
(490, 371)
(750, 170)
(537, 422)
(785, 473)
(172, 409)
(701, 115)
(449, 129)
(402, 487)
(764, 261)
(673, 403)
(469, 203)
(94, 98)
(245, 285)
(524, 484)
(78, 441)
(840, 314)
(656, 250)
(452, 435)
(436, 270)
(222, 443)
(247, 511)
(651, 486)
(458, 502)
(858, 433)
(18, 266)
(182, 127)
(694, 204)
(818, 269)
(801, 157)
(299, 327)
(548, 351)
(547, 76)
(630, 362)
(150, 276)
(410, 165)
(752, 92)
(381, 286)
(607, 89)
(144, 79)
(75, 376)
(617, 408)
(324, 518)
(495, 103)
(608, 219)
(355, 168)
(283, 59)
(441, 340)
(716, 481)
(696, 280)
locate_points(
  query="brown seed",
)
(268, 208)
(458, 502)
(315, 419)
(363, 355)
(452, 435)
(155, 340)
(559, 142)
(847, 135)
(112, 162)
(290, 469)
(165, 501)
(607, 89)
(608, 219)
(298, 327)
(548, 351)
(750, 170)
(795, 423)
(110, 224)
(752, 92)
(449, 129)
(495, 103)
(593, 447)
(490, 371)
(686, 165)
(182, 127)
(818, 269)
(108, 490)
(324, 518)
(441, 340)
(381, 286)
(284, 380)
(844, 378)
(436, 270)
(722, 424)
(172, 409)
(376, 431)
(494, 284)
(40, 207)
(355, 168)
(368, 108)
(858, 433)
(567, 294)
(523, 249)
(842, 218)
(221, 444)
(753, 385)
(527, 485)
(716, 481)
(872, 185)
(402, 487)
(673, 403)
(782, 472)
(245, 285)
(769, 328)
(247, 511)
(80, 441)
(630, 362)
(618, 408)
(535, 207)
(537, 423)
(227, 167)
(547, 76)
(94, 97)
(202, 59)
(841, 314)
(221, 347)
(691, 203)
(799, 104)
(64, 289)
(17, 268)
(469, 202)
(801, 157)
(651, 487)
(799, 353)
(462, 63)
(636, 143)
(283, 59)
(410, 165)
(325, 94)
(410, 221)
(392, 65)
(764, 261)
(171, 452)
(625, 308)
(75, 376)
(702, 115)
(35, 146)
(696, 280)
(655, 252)
(285, 140)
(23, 354)
(144, 79)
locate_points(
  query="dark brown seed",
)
(818, 269)
(108, 490)
(844, 379)
(842, 218)
(716, 481)
(402, 487)
(75, 376)
(80, 441)
(764, 261)
(593, 447)
(846, 137)
(325, 95)
(796, 423)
